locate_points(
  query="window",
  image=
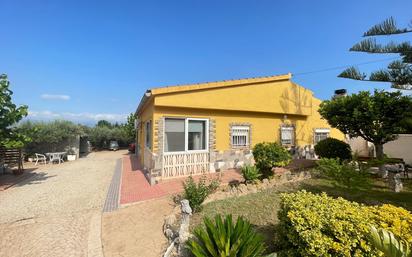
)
(197, 135)
(240, 136)
(174, 135)
(185, 135)
(287, 135)
(148, 135)
(320, 134)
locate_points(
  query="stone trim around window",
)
(233, 124)
(287, 125)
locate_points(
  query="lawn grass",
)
(261, 208)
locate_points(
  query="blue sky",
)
(89, 60)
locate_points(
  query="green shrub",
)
(318, 225)
(269, 155)
(196, 193)
(344, 174)
(250, 173)
(222, 238)
(333, 148)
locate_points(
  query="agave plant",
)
(250, 173)
(222, 238)
(386, 242)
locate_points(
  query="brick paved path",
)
(58, 211)
(135, 187)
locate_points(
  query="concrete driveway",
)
(58, 211)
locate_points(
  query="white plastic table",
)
(58, 156)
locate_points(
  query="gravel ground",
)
(136, 230)
(50, 213)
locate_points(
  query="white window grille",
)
(320, 134)
(148, 134)
(287, 135)
(240, 136)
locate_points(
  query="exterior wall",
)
(400, 148)
(283, 97)
(361, 147)
(145, 115)
(264, 127)
(305, 128)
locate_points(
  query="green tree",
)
(10, 114)
(104, 123)
(49, 136)
(398, 72)
(377, 118)
(129, 128)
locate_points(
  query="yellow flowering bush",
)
(394, 219)
(319, 225)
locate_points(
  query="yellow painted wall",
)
(145, 115)
(262, 105)
(272, 97)
(265, 126)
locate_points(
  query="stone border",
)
(113, 194)
(282, 176)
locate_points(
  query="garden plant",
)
(223, 238)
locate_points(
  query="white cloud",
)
(404, 92)
(55, 97)
(85, 117)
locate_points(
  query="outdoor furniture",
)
(11, 157)
(56, 157)
(40, 158)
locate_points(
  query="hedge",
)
(333, 148)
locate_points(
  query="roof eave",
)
(143, 101)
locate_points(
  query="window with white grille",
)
(320, 134)
(287, 135)
(240, 136)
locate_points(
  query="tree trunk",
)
(380, 156)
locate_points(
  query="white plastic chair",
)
(40, 158)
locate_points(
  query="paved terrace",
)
(135, 187)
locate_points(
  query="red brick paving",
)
(135, 187)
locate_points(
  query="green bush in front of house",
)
(196, 193)
(347, 174)
(316, 225)
(333, 148)
(269, 155)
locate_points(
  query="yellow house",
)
(191, 129)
